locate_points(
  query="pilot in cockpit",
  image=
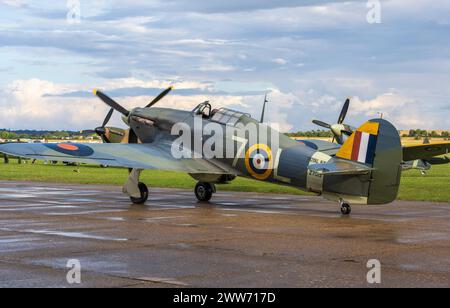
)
(205, 110)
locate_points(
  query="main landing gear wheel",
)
(346, 209)
(204, 191)
(144, 194)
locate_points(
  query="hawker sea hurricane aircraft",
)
(365, 170)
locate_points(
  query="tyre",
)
(346, 209)
(144, 194)
(204, 191)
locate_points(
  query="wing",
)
(340, 167)
(425, 151)
(139, 156)
(326, 147)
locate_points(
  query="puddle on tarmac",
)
(421, 237)
(84, 212)
(171, 206)
(257, 211)
(228, 204)
(182, 245)
(409, 266)
(15, 239)
(18, 196)
(78, 235)
(153, 219)
(115, 218)
(19, 205)
(188, 225)
(24, 209)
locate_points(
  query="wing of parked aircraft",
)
(138, 156)
(326, 147)
(425, 151)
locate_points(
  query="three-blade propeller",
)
(104, 131)
(340, 129)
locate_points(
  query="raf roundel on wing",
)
(72, 149)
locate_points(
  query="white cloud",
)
(402, 111)
(35, 104)
(216, 68)
(161, 84)
(14, 3)
(195, 45)
(24, 105)
(280, 61)
(386, 103)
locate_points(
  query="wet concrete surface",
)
(237, 240)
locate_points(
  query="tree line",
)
(35, 134)
(424, 133)
(312, 134)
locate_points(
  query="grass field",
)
(433, 187)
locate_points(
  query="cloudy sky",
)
(310, 55)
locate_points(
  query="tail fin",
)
(377, 144)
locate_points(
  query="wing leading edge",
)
(425, 151)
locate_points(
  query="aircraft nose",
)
(146, 113)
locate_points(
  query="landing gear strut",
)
(137, 191)
(204, 191)
(346, 209)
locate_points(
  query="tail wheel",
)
(144, 194)
(346, 209)
(204, 191)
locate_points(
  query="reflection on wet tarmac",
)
(239, 239)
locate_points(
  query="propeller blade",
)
(344, 111)
(159, 97)
(105, 139)
(108, 117)
(110, 102)
(322, 124)
(116, 133)
(101, 131)
(133, 138)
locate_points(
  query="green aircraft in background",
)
(365, 169)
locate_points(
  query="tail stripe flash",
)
(361, 145)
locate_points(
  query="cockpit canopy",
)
(223, 115)
(227, 116)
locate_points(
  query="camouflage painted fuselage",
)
(219, 145)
